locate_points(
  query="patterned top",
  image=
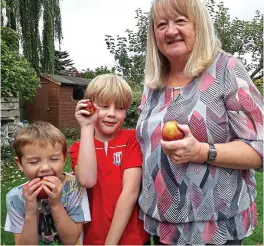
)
(198, 203)
(75, 202)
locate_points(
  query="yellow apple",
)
(171, 132)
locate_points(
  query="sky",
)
(86, 22)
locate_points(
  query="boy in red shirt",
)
(108, 161)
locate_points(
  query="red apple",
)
(90, 108)
(42, 194)
(171, 132)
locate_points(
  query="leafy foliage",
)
(90, 74)
(259, 84)
(71, 133)
(238, 37)
(17, 74)
(7, 154)
(132, 112)
(62, 62)
(129, 51)
(24, 17)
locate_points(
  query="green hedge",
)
(259, 84)
(132, 112)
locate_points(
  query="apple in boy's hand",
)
(42, 194)
(171, 132)
(90, 108)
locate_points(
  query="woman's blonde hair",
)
(108, 88)
(205, 48)
(39, 132)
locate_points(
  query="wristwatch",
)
(212, 153)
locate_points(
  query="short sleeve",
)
(244, 105)
(133, 152)
(15, 211)
(78, 204)
(74, 151)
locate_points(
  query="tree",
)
(17, 74)
(238, 37)
(129, 51)
(24, 17)
(62, 62)
(73, 72)
(90, 74)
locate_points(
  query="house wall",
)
(67, 108)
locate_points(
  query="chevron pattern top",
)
(196, 203)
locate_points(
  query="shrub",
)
(71, 133)
(259, 84)
(132, 112)
(7, 154)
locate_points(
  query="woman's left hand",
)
(184, 150)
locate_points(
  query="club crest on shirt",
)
(117, 158)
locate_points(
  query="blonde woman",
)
(200, 189)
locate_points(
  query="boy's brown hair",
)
(107, 88)
(39, 132)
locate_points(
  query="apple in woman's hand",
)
(90, 108)
(171, 132)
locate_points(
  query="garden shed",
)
(56, 99)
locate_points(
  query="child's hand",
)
(30, 191)
(83, 116)
(53, 187)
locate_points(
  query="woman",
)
(201, 189)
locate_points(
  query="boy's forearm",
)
(86, 169)
(67, 229)
(124, 208)
(29, 234)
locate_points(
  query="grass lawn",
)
(11, 177)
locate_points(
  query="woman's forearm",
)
(235, 155)
(124, 208)
(86, 169)
(29, 234)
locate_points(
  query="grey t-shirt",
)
(74, 199)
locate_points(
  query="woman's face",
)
(175, 37)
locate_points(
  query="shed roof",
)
(66, 80)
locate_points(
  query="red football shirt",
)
(113, 158)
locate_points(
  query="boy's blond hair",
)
(108, 88)
(41, 133)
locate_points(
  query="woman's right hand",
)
(83, 116)
(30, 192)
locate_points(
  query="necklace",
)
(177, 87)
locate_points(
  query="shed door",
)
(42, 105)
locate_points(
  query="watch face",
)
(212, 153)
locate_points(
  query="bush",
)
(7, 154)
(71, 133)
(132, 112)
(259, 84)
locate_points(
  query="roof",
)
(66, 80)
